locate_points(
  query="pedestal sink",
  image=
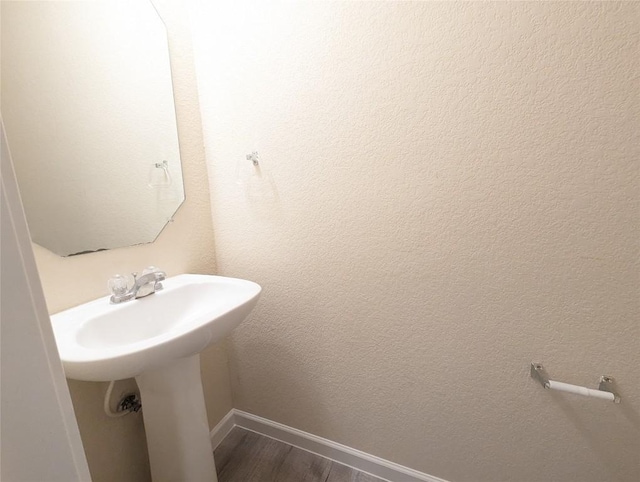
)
(157, 340)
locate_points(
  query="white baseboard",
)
(220, 431)
(321, 446)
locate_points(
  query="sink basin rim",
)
(126, 360)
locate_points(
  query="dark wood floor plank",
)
(302, 466)
(245, 456)
(362, 477)
(225, 450)
(342, 473)
(254, 459)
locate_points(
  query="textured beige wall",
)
(457, 196)
(115, 448)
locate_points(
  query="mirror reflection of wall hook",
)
(159, 175)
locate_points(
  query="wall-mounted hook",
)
(253, 157)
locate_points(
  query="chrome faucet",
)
(145, 285)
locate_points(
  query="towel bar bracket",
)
(540, 374)
(607, 384)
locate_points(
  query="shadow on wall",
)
(102, 437)
(630, 414)
(277, 373)
(617, 451)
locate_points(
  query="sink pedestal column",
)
(175, 421)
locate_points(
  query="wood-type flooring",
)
(245, 456)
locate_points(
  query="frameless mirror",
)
(87, 102)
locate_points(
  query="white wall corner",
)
(220, 431)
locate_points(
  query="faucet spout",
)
(144, 285)
(147, 284)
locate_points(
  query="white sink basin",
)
(99, 341)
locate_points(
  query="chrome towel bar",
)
(605, 389)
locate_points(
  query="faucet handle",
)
(118, 285)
